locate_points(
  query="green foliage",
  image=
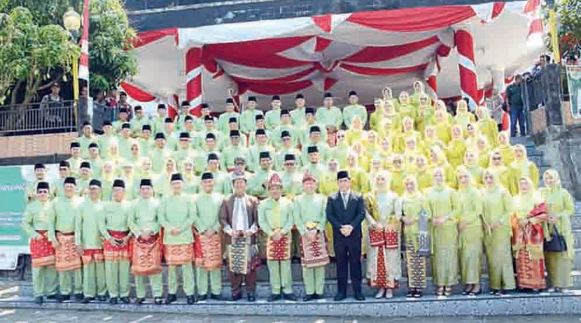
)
(569, 12)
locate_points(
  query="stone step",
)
(527, 141)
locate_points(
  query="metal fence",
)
(37, 118)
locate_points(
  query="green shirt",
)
(137, 124)
(36, 217)
(310, 208)
(269, 220)
(277, 140)
(230, 153)
(223, 121)
(298, 116)
(207, 211)
(104, 141)
(115, 216)
(158, 157)
(272, 119)
(256, 184)
(63, 215)
(177, 212)
(144, 216)
(248, 120)
(85, 142)
(292, 183)
(87, 232)
(350, 111)
(329, 117)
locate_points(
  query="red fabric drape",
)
(136, 93)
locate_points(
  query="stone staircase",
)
(534, 154)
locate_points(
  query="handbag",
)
(556, 243)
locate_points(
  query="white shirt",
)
(240, 214)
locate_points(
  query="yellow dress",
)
(506, 152)
(468, 209)
(519, 168)
(455, 152)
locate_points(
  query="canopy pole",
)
(467, 65)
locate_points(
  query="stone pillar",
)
(551, 82)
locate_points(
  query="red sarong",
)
(115, 252)
(279, 250)
(314, 253)
(146, 256)
(92, 255)
(66, 255)
(41, 251)
(178, 254)
(528, 246)
(208, 251)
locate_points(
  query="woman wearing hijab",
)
(486, 125)
(522, 167)
(425, 113)
(482, 150)
(419, 93)
(456, 147)
(387, 94)
(429, 140)
(560, 208)
(441, 207)
(528, 233)
(442, 126)
(463, 117)
(355, 133)
(415, 219)
(471, 165)
(376, 117)
(468, 211)
(406, 132)
(397, 173)
(423, 175)
(497, 167)
(406, 108)
(505, 148)
(496, 212)
(438, 160)
(383, 252)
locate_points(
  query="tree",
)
(35, 51)
(570, 31)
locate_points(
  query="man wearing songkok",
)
(159, 153)
(75, 160)
(260, 126)
(88, 239)
(257, 184)
(176, 216)
(114, 228)
(224, 118)
(170, 134)
(145, 139)
(184, 151)
(310, 221)
(35, 223)
(95, 160)
(208, 239)
(272, 117)
(275, 218)
(58, 185)
(62, 217)
(146, 258)
(181, 117)
(354, 109)
(200, 123)
(86, 139)
(123, 118)
(298, 114)
(85, 176)
(304, 129)
(285, 126)
(248, 116)
(291, 178)
(313, 164)
(345, 211)
(158, 120)
(261, 145)
(314, 140)
(234, 150)
(106, 139)
(328, 114)
(239, 220)
(32, 187)
(124, 141)
(138, 121)
(288, 148)
(221, 179)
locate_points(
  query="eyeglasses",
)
(42, 191)
(496, 158)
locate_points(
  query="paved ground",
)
(46, 316)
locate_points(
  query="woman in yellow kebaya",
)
(419, 93)
(411, 152)
(376, 117)
(370, 143)
(407, 131)
(440, 201)
(387, 94)
(486, 125)
(406, 108)
(468, 212)
(560, 208)
(385, 152)
(359, 179)
(441, 106)
(456, 147)
(442, 126)
(470, 135)
(430, 140)
(397, 172)
(482, 151)
(520, 167)
(463, 117)
(497, 167)
(425, 113)
(422, 174)
(497, 210)
(355, 133)
(505, 148)
(471, 165)
(438, 160)
(361, 156)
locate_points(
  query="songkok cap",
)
(342, 174)
(299, 96)
(185, 103)
(42, 186)
(328, 95)
(312, 149)
(232, 120)
(138, 108)
(39, 166)
(264, 154)
(274, 180)
(93, 145)
(119, 183)
(123, 110)
(70, 180)
(145, 127)
(85, 164)
(107, 123)
(168, 120)
(234, 133)
(145, 182)
(126, 125)
(205, 106)
(159, 135)
(212, 156)
(64, 163)
(75, 144)
(352, 93)
(289, 157)
(207, 175)
(260, 132)
(252, 98)
(275, 97)
(284, 134)
(184, 135)
(239, 160)
(309, 177)
(210, 135)
(189, 118)
(161, 106)
(284, 112)
(86, 123)
(208, 118)
(95, 182)
(176, 177)
(259, 117)
(314, 129)
(230, 100)
(310, 110)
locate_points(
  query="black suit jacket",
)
(337, 215)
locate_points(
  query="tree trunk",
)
(14, 97)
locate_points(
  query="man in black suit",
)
(345, 211)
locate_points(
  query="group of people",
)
(405, 185)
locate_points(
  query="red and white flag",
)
(84, 60)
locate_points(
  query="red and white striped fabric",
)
(84, 59)
(363, 51)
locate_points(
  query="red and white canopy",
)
(363, 51)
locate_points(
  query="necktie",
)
(345, 199)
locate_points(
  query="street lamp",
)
(72, 21)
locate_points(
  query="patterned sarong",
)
(146, 256)
(239, 255)
(314, 253)
(41, 251)
(208, 251)
(178, 254)
(279, 250)
(92, 255)
(114, 252)
(66, 255)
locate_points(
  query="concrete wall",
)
(20, 147)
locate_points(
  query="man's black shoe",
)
(289, 297)
(101, 298)
(61, 298)
(125, 300)
(251, 298)
(39, 300)
(171, 298)
(87, 300)
(309, 298)
(339, 297)
(273, 297)
(202, 297)
(158, 300)
(113, 301)
(236, 297)
(79, 297)
(216, 297)
(191, 300)
(53, 296)
(359, 297)
(139, 300)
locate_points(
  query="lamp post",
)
(72, 23)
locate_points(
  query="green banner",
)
(574, 84)
(12, 195)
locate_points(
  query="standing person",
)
(224, 118)
(329, 115)
(272, 117)
(208, 239)
(32, 187)
(275, 218)
(469, 216)
(239, 220)
(528, 235)
(310, 220)
(416, 227)
(88, 238)
(496, 212)
(62, 219)
(354, 109)
(176, 216)
(440, 201)
(515, 101)
(383, 253)
(35, 223)
(560, 208)
(298, 113)
(146, 259)
(115, 231)
(345, 211)
(248, 116)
